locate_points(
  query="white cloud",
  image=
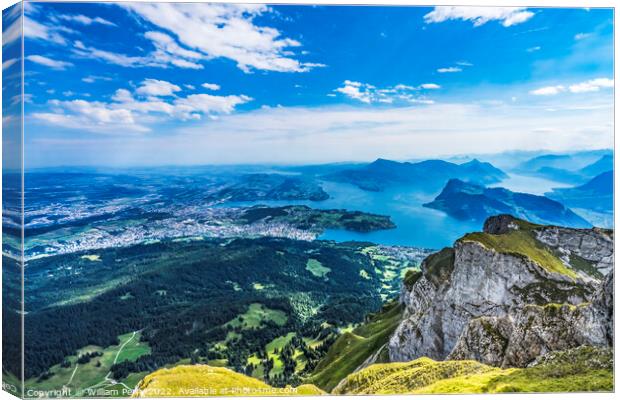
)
(8, 63)
(94, 78)
(38, 31)
(211, 86)
(508, 16)
(48, 62)
(124, 99)
(457, 68)
(80, 49)
(400, 86)
(151, 103)
(190, 87)
(449, 70)
(548, 90)
(224, 31)
(84, 20)
(98, 111)
(53, 29)
(401, 93)
(167, 50)
(13, 31)
(533, 49)
(192, 107)
(189, 35)
(93, 116)
(195, 104)
(154, 87)
(581, 36)
(158, 58)
(593, 85)
(355, 90)
(90, 122)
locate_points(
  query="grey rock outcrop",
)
(504, 309)
(596, 246)
(516, 341)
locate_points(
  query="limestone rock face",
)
(517, 341)
(500, 224)
(484, 339)
(504, 309)
(593, 245)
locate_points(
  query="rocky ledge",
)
(508, 295)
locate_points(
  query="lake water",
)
(529, 184)
(415, 225)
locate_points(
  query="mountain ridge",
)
(382, 174)
(473, 305)
(596, 194)
(469, 201)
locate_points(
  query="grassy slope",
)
(522, 242)
(256, 315)
(582, 369)
(90, 375)
(351, 349)
(202, 380)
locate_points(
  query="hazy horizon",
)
(454, 158)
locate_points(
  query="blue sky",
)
(140, 83)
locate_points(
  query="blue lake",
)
(416, 225)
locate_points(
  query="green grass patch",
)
(580, 264)
(176, 381)
(316, 268)
(279, 342)
(439, 265)
(219, 362)
(93, 373)
(411, 277)
(522, 243)
(576, 370)
(132, 348)
(351, 349)
(256, 315)
(272, 349)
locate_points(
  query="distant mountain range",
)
(468, 201)
(604, 164)
(254, 187)
(568, 168)
(428, 175)
(596, 194)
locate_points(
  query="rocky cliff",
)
(508, 295)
